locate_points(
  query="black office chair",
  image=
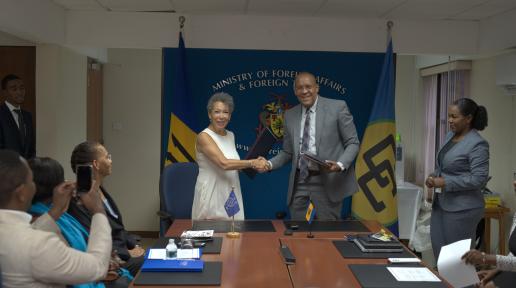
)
(176, 189)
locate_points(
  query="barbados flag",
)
(376, 198)
(310, 212)
(181, 136)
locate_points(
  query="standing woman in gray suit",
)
(462, 169)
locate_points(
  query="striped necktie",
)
(303, 162)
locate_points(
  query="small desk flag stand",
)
(233, 233)
(310, 214)
(232, 208)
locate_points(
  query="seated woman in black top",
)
(125, 244)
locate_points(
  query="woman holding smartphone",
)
(125, 244)
(48, 174)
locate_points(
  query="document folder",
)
(314, 158)
(159, 265)
(261, 147)
(370, 242)
(373, 249)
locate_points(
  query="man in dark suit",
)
(323, 127)
(16, 130)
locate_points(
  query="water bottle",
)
(400, 167)
(171, 249)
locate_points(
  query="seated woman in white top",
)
(503, 263)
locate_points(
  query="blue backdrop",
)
(258, 77)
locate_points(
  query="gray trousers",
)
(313, 188)
(448, 227)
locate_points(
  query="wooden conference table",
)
(255, 260)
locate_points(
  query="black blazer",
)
(122, 240)
(10, 137)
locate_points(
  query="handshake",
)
(260, 164)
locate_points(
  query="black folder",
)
(326, 226)
(377, 276)
(240, 226)
(261, 147)
(348, 249)
(211, 275)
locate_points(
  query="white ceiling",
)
(459, 10)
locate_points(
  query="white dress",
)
(214, 183)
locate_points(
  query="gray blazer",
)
(335, 138)
(465, 169)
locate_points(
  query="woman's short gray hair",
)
(221, 97)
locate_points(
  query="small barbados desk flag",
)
(310, 212)
(231, 204)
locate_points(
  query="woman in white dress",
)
(218, 163)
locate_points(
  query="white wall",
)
(501, 126)
(60, 102)
(7, 39)
(40, 21)
(132, 100)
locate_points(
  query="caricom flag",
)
(231, 204)
(181, 137)
(376, 198)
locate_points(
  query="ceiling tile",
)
(487, 9)
(284, 7)
(83, 5)
(137, 5)
(358, 8)
(431, 9)
(210, 6)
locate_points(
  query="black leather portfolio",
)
(211, 275)
(377, 276)
(326, 226)
(240, 226)
(349, 250)
(211, 247)
(261, 147)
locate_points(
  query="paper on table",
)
(157, 254)
(413, 274)
(188, 253)
(197, 234)
(161, 254)
(453, 268)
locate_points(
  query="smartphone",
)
(84, 178)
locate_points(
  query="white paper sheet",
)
(419, 274)
(453, 268)
(188, 253)
(197, 234)
(157, 254)
(161, 254)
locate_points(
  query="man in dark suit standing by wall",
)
(16, 130)
(324, 127)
